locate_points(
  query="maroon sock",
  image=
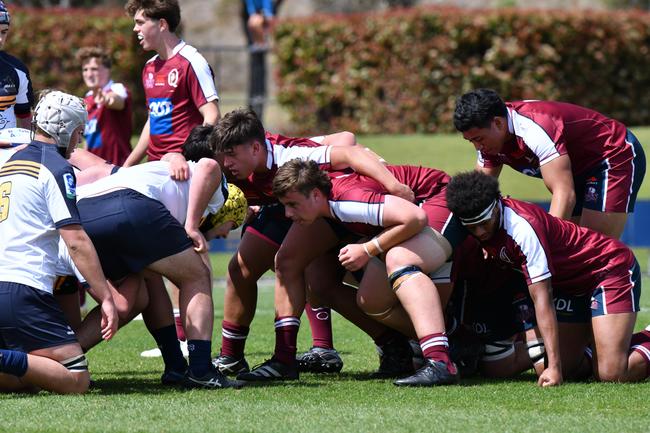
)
(180, 331)
(286, 336)
(436, 347)
(641, 344)
(320, 321)
(233, 339)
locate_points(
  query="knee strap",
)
(402, 275)
(77, 363)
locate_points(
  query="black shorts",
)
(31, 319)
(130, 231)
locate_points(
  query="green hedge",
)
(46, 40)
(401, 71)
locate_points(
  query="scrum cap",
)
(59, 114)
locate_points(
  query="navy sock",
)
(199, 356)
(170, 348)
(13, 362)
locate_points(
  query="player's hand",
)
(99, 96)
(353, 257)
(251, 213)
(550, 377)
(200, 244)
(403, 191)
(110, 320)
(178, 168)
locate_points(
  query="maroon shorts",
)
(442, 220)
(618, 293)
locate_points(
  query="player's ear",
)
(501, 123)
(163, 24)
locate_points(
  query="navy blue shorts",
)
(130, 231)
(31, 319)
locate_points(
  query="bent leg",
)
(612, 334)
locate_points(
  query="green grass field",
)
(128, 397)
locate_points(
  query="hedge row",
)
(46, 40)
(401, 71)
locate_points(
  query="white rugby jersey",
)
(152, 179)
(37, 197)
(64, 264)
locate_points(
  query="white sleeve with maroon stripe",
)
(535, 137)
(524, 235)
(350, 211)
(319, 154)
(202, 76)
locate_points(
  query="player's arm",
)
(210, 112)
(206, 178)
(84, 256)
(558, 178)
(366, 163)
(402, 220)
(541, 293)
(112, 100)
(140, 149)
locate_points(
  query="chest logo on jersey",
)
(70, 188)
(149, 81)
(160, 107)
(172, 78)
(503, 255)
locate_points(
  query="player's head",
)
(240, 138)
(231, 215)
(473, 197)
(303, 188)
(482, 117)
(153, 19)
(198, 144)
(60, 117)
(95, 66)
(5, 20)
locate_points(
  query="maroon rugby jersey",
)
(258, 187)
(576, 259)
(545, 130)
(175, 89)
(358, 201)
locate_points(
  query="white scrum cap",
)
(59, 114)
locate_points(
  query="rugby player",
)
(592, 165)
(253, 156)
(559, 257)
(39, 349)
(414, 242)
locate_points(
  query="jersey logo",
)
(148, 82)
(160, 116)
(70, 188)
(172, 78)
(504, 256)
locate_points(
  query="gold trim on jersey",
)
(29, 168)
(7, 101)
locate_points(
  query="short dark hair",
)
(477, 108)
(198, 144)
(86, 53)
(237, 127)
(157, 9)
(302, 176)
(471, 192)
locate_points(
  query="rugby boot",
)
(433, 373)
(395, 358)
(320, 360)
(213, 379)
(230, 365)
(270, 370)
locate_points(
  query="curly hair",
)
(469, 193)
(237, 127)
(477, 108)
(84, 54)
(300, 175)
(169, 10)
